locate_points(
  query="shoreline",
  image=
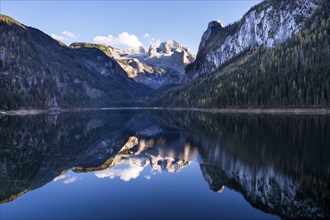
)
(272, 111)
(257, 111)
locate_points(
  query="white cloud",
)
(127, 174)
(147, 177)
(150, 39)
(107, 40)
(154, 41)
(60, 177)
(57, 37)
(146, 35)
(127, 169)
(68, 34)
(66, 178)
(123, 39)
(70, 180)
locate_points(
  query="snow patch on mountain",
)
(162, 64)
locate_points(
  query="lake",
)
(158, 164)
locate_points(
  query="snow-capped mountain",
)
(168, 48)
(267, 24)
(138, 154)
(162, 64)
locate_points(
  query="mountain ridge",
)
(156, 67)
(268, 23)
(37, 71)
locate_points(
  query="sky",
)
(124, 24)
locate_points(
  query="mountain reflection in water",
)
(278, 163)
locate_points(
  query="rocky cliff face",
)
(288, 74)
(37, 71)
(267, 24)
(168, 48)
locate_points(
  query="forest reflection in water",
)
(279, 164)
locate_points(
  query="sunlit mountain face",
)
(278, 165)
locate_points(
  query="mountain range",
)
(158, 66)
(277, 55)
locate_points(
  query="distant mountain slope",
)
(161, 65)
(294, 73)
(266, 24)
(37, 71)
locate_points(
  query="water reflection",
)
(137, 154)
(278, 163)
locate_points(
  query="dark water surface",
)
(164, 165)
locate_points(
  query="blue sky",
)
(129, 23)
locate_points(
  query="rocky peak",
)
(213, 27)
(107, 50)
(8, 20)
(215, 24)
(136, 50)
(266, 24)
(153, 50)
(168, 47)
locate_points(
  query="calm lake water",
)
(164, 165)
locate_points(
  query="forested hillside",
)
(37, 71)
(293, 74)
